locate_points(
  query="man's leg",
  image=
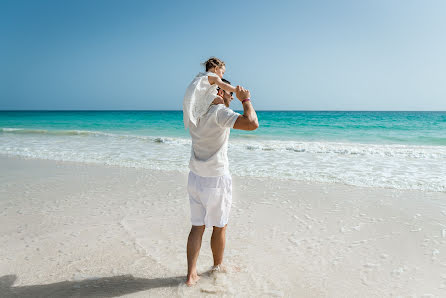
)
(218, 241)
(193, 249)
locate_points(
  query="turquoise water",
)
(422, 128)
(402, 150)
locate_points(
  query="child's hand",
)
(218, 100)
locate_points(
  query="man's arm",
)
(247, 121)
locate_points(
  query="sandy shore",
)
(78, 230)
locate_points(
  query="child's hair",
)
(213, 62)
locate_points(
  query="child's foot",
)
(192, 279)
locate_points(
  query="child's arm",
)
(225, 86)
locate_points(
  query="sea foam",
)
(369, 165)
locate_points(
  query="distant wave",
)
(410, 151)
(376, 165)
(247, 136)
(51, 132)
(432, 140)
(385, 150)
(27, 131)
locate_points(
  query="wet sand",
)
(73, 229)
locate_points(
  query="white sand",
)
(77, 230)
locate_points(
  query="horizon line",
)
(171, 110)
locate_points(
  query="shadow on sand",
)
(100, 287)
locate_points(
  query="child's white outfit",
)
(198, 97)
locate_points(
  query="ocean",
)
(401, 150)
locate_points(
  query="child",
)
(202, 91)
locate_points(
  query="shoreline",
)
(179, 172)
(94, 226)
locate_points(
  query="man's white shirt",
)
(209, 154)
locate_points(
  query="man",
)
(209, 182)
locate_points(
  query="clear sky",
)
(292, 55)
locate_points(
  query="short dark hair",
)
(226, 81)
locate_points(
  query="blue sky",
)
(292, 55)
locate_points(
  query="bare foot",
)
(192, 279)
(219, 268)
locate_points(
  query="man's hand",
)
(242, 93)
(218, 100)
(247, 121)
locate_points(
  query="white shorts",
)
(210, 199)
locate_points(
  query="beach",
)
(71, 229)
(330, 117)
